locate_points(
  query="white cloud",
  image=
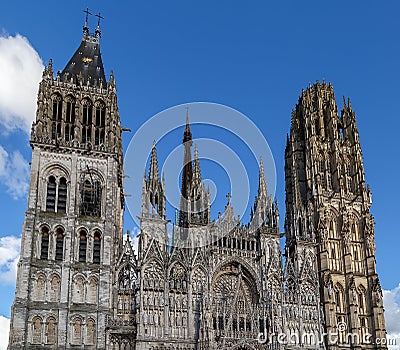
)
(20, 70)
(134, 237)
(391, 301)
(9, 256)
(14, 173)
(4, 331)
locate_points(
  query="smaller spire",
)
(344, 103)
(153, 172)
(229, 196)
(262, 183)
(196, 170)
(349, 104)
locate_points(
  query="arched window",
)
(92, 291)
(77, 331)
(87, 113)
(321, 164)
(57, 116)
(62, 196)
(56, 197)
(44, 247)
(51, 194)
(347, 170)
(79, 290)
(51, 330)
(91, 198)
(364, 326)
(362, 301)
(70, 120)
(100, 123)
(300, 232)
(329, 181)
(40, 288)
(90, 332)
(96, 247)
(82, 245)
(55, 285)
(339, 299)
(59, 243)
(37, 326)
(332, 230)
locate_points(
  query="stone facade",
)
(221, 284)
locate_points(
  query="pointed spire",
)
(349, 104)
(229, 196)
(196, 170)
(187, 135)
(187, 173)
(262, 183)
(194, 206)
(86, 66)
(153, 197)
(344, 103)
(153, 172)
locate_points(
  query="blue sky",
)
(252, 56)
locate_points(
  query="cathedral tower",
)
(72, 232)
(328, 216)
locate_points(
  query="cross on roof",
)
(87, 15)
(99, 16)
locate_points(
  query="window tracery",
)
(90, 196)
(56, 116)
(234, 310)
(69, 129)
(87, 115)
(100, 123)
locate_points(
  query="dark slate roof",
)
(87, 62)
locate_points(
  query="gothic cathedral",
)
(221, 284)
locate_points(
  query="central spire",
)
(195, 201)
(187, 173)
(187, 135)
